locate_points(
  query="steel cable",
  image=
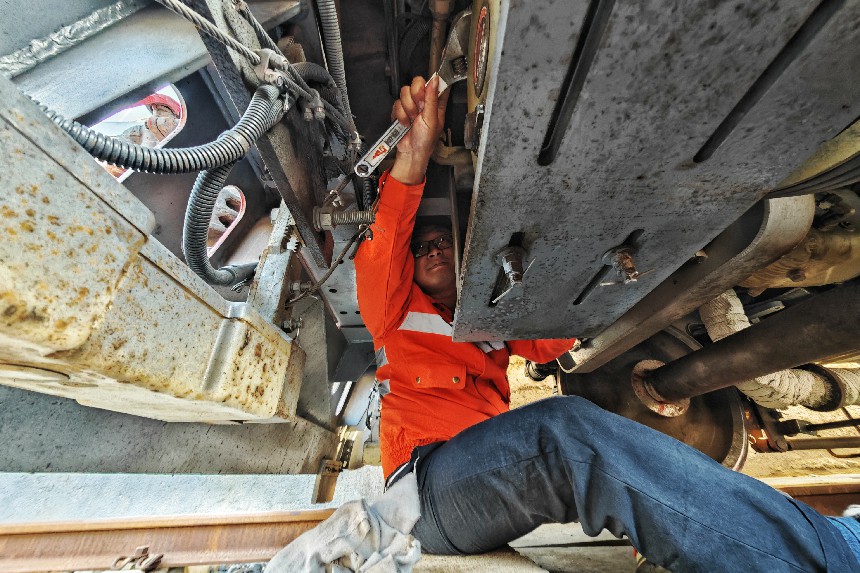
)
(208, 27)
(295, 84)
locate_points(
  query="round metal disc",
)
(713, 423)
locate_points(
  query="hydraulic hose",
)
(312, 72)
(228, 148)
(334, 49)
(415, 33)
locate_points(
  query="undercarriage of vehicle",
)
(676, 184)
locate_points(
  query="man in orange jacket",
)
(487, 475)
(432, 388)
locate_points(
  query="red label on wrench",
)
(381, 150)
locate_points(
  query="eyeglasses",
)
(421, 248)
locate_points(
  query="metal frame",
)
(662, 81)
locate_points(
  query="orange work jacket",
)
(431, 387)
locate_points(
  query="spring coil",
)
(353, 217)
(228, 148)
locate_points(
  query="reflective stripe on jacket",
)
(431, 387)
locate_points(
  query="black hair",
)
(425, 227)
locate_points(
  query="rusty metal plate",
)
(664, 79)
(57, 237)
(93, 308)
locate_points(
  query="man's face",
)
(434, 272)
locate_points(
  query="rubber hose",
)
(368, 192)
(204, 194)
(311, 72)
(334, 49)
(228, 148)
(411, 38)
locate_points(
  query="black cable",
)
(228, 148)
(198, 215)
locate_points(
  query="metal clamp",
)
(140, 560)
(268, 70)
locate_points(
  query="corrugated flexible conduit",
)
(334, 50)
(228, 148)
(201, 202)
(724, 316)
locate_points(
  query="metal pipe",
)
(823, 326)
(441, 10)
(831, 425)
(823, 443)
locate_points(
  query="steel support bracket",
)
(291, 150)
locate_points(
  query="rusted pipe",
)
(825, 325)
(441, 10)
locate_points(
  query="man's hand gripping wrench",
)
(453, 69)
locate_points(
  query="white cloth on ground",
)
(359, 538)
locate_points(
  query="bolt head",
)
(796, 275)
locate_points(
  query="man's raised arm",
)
(384, 266)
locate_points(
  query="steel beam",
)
(181, 541)
(138, 55)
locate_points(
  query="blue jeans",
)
(564, 459)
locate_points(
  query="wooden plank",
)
(829, 495)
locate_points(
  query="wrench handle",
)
(381, 148)
(388, 141)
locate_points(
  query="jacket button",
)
(456, 379)
(418, 380)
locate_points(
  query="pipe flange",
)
(837, 388)
(650, 397)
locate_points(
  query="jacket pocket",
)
(423, 368)
(448, 375)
